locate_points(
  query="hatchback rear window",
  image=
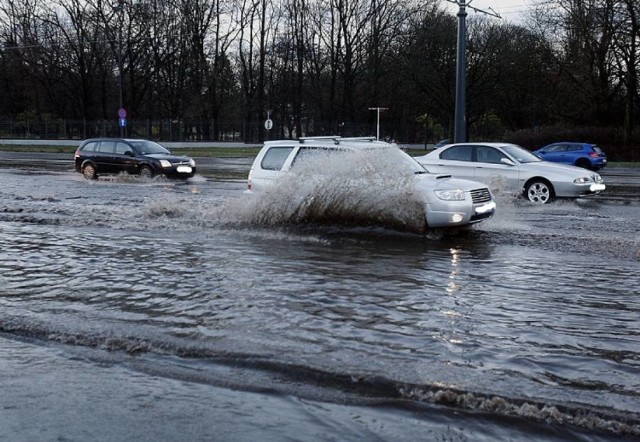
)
(275, 158)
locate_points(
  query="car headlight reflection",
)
(165, 163)
(450, 195)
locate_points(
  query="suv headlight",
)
(450, 195)
(165, 163)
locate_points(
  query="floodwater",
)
(161, 310)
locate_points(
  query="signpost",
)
(122, 120)
(268, 123)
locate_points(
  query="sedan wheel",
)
(146, 172)
(538, 192)
(89, 172)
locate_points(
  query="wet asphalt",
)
(623, 183)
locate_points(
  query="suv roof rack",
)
(359, 138)
(336, 139)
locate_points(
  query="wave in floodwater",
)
(170, 334)
(261, 370)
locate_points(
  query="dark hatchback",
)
(98, 156)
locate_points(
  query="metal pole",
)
(460, 134)
(120, 10)
(378, 109)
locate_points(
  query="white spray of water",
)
(371, 187)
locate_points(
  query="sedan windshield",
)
(145, 147)
(520, 154)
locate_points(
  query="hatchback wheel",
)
(146, 172)
(585, 164)
(89, 172)
(539, 192)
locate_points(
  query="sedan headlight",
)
(450, 195)
(165, 163)
(582, 180)
(192, 162)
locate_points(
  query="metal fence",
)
(167, 130)
(189, 130)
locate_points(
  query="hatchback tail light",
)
(594, 154)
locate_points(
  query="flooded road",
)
(162, 310)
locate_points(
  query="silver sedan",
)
(503, 165)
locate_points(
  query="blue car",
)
(585, 155)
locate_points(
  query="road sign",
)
(268, 124)
(123, 122)
(122, 113)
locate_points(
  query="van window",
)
(275, 158)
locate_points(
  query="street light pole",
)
(460, 131)
(460, 126)
(120, 10)
(378, 109)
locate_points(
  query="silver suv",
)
(364, 175)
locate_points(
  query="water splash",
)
(363, 188)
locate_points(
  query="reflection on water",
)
(534, 311)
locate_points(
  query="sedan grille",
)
(479, 196)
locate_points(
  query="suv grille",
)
(479, 196)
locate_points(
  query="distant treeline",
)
(319, 66)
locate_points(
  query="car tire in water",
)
(89, 171)
(146, 172)
(538, 191)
